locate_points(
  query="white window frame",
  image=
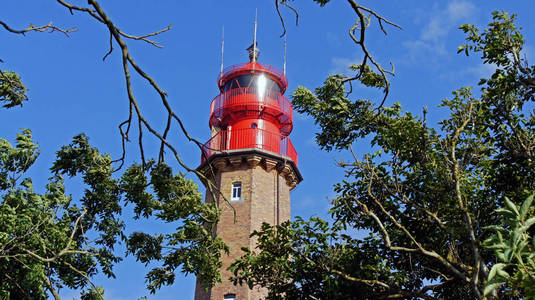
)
(236, 191)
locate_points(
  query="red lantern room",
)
(251, 111)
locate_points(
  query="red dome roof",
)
(250, 67)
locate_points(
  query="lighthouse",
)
(250, 160)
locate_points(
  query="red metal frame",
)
(249, 138)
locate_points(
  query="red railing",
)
(249, 99)
(263, 67)
(249, 138)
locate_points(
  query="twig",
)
(44, 28)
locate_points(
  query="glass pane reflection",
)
(259, 81)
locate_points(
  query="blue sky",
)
(72, 90)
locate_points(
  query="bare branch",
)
(365, 281)
(140, 142)
(72, 8)
(128, 60)
(361, 24)
(145, 37)
(277, 7)
(44, 28)
(161, 156)
(111, 48)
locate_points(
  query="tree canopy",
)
(50, 240)
(447, 209)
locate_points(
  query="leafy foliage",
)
(96, 293)
(333, 112)
(40, 234)
(192, 245)
(49, 240)
(12, 90)
(311, 260)
(426, 197)
(514, 248)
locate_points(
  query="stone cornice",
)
(234, 159)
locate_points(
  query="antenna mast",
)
(284, 64)
(222, 50)
(254, 40)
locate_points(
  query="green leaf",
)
(529, 222)
(503, 274)
(495, 228)
(491, 286)
(525, 206)
(508, 254)
(512, 207)
(497, 246)
(494, 269)
(506, 213)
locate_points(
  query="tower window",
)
(230, 297)
(236, 192)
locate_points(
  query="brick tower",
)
(250, 159)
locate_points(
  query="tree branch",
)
(44, 28)
(51, 288)
(362, 23)
(283, 2)
(463, 205)
(386, 237)
(66, 250)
